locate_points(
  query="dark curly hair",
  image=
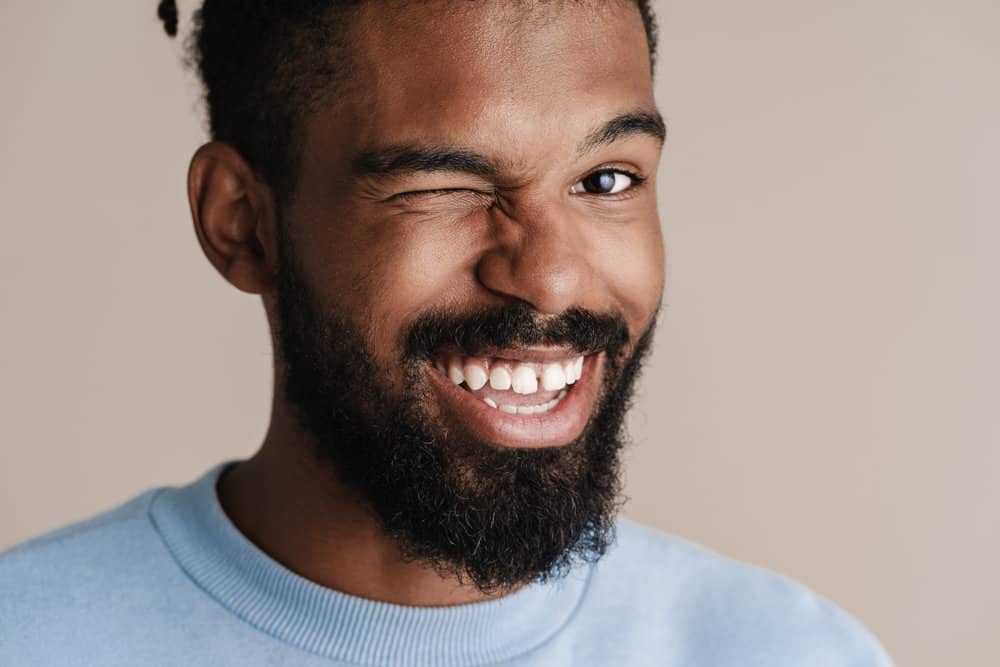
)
(262, 72)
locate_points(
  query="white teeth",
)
(527, 409)
(523, 380)
(553, 377)
(475, 376)
(455, 371)
(500, 378)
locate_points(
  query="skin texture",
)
(523, 84)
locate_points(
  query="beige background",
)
(823, 398)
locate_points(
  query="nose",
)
(539, 255)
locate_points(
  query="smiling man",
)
(448, 211)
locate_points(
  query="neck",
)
(294, 510)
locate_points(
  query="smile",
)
(528, 397)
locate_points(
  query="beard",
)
(484, 514)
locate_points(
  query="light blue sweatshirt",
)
(167, 579)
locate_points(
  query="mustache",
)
(514, 325)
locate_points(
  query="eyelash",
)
(417, 194)
(630, 191)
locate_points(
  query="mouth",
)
(519, 398)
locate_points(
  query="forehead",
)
(500, 75)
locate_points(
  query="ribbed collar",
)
(343, 627)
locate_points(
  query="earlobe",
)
(233, 215)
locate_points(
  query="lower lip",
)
(559, 426)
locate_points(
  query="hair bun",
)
(167, 11)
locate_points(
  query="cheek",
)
(414, 267)
(382, 273)
(631, 264)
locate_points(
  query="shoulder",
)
(65, 576)
(737, 613)
(84, 540)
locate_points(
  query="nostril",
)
(551, 282)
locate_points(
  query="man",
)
(448, 211)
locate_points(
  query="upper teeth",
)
(553, 377)
(523, 378)
(500, 378)
(475, 376)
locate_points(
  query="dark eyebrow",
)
(626, 124)
(401, 160)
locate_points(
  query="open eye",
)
(606, 182)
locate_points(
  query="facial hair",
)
(484, 514)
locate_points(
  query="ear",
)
(233, 214)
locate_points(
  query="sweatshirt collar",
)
(323, 621)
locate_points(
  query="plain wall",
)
(823, 397)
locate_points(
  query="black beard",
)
(493, 516)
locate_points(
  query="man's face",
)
(469, 275)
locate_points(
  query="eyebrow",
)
(408, 159)
(630, 123)
(401, 160)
